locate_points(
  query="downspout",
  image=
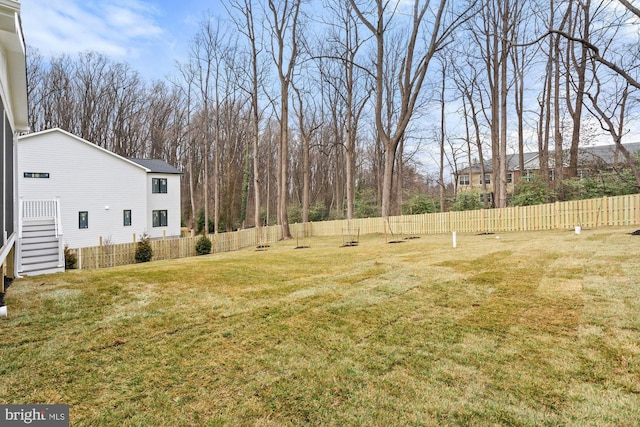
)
(18, 244)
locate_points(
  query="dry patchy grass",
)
(530, 329)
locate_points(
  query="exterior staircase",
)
(40, 238)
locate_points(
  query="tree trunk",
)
(580, 75)
(387, 178)
(442, 138)
(411, 74)
(558, 147)
(504, 55)
(306, 179)
(350, 155)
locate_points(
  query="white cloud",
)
(113, 27)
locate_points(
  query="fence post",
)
(100, 254)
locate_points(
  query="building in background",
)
(80, 195)
(591, 161)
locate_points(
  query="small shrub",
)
(529, 193)
(203, 245)
(144, 252)
(467, 201)
(366, 205)
(70, 258)
(420, 204)
(200, 223)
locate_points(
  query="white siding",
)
(85, 178)
(170, 201)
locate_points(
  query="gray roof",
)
(513, 161)
(607, 154)
(156, 166)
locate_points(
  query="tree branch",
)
(631, 7)
(595, 53)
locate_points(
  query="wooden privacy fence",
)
(591, 213)
(112, 255)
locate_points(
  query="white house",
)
(13, 120)
(94, 193)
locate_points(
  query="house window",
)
(528, 176)
(488, 197)
(487, 178)
(159, 218)
(36, 174)
(552, 175)
(463, 180)
(83, 219)
(126, 216)
(159, 185)
(510, 178)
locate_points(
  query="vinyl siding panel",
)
(84, 178)
(169, 201)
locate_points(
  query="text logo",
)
(34, 415)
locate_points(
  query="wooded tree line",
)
(292, 110)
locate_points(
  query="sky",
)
(149, 35)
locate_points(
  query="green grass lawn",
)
(529, 329)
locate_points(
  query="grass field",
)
(526, 329)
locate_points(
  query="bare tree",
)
(283, 22)
(579, 23)
(186, 87)
(494, 26)
(602, 53)
(351, 82)
(466, 77)
(616, 130)
(207, 52)
(413, 71)
(443, 135)
(309, 121)
(247, 27)
(36, 75)
(610, 100)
